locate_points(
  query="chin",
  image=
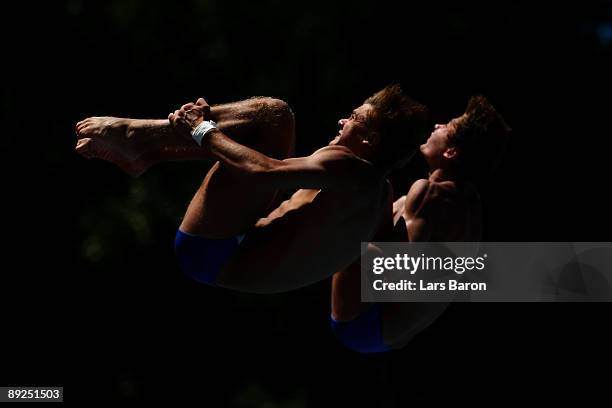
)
(425, 152)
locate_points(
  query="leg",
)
(136, 144)
(366, 327)
(218, 209)
(357, 325)
(218, 212)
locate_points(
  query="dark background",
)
(91, 296)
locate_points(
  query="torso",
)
(452, 209)
(312, 234)
(453, 213)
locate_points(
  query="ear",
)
(450, 153)
(372, 139)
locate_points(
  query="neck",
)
(443, 174)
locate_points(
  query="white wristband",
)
(203, 128)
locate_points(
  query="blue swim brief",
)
(202, 258)
(363, 334)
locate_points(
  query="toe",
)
(82, 131)
(84, 147)
(82, 124)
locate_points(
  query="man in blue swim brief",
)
(213, 226)
(343, 197)
(341, 187)
(444, 207)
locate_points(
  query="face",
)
(354, 129)
(439, 142)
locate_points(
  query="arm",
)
(424, 209)
(418, 208)
(330, 167)
(346, 302)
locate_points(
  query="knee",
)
(277, 124)
(276, 107)
(276, 111)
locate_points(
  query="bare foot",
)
(110, 139)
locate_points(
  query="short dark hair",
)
(481, 137)
(402, 122)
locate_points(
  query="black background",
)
(91, 296)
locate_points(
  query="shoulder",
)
(419, 187)
(341, 160)
(335, 153)
(430, 194)
(416, 194)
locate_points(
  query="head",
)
(472, 144)
(387, 129)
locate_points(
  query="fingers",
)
(200, 106)
(190, 114)
(194, 114)
(187, 106)
(176, 117)
(204, 106)
(200, 103)
(172, 118)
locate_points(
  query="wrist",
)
(200, 131)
